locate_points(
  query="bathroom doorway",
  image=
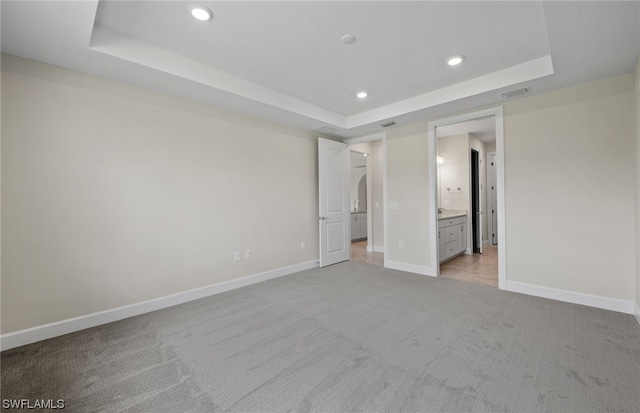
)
(465, 249)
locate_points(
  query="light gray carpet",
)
(350, 337)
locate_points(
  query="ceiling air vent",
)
(516, 92)
(387, 124)
(326, 130)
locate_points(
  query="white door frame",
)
(497, 112)
(370, 138)
(491, 200)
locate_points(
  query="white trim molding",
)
(58, 328)
(636, 312)
(416, 269)
(375, 248)
(591, 300)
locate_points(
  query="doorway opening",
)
(476, 208)
(466, 238)
(368, 194)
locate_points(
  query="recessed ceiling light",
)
(201, 13)
(348, 39)
(362, 94)
(455, 60)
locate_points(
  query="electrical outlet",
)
(400, 244)
(236, 256)
(303, 245)
(247, 255)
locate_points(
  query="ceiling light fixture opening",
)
(201, 13)
(455, 60)
(362, 95)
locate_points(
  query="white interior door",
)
(335, 219)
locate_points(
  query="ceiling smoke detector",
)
(348, 39)
(516, 92)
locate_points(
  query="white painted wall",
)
(377, 203)
(408, 188)
(570, 169)
(454, 172)
(112, 195)
(637, 121)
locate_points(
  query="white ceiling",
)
(284, 60)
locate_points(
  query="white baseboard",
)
(58, 328)
(375, 248)
(417, 269)
(607, 303)
(636, 312)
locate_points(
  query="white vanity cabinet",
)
(358, 226)
(452, 237)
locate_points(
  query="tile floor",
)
(477, 268)
(359, 253)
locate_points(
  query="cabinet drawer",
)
(446, 222)
(451, 233)
(451, 248)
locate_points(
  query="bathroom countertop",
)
(358, 212)
(452, 214)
